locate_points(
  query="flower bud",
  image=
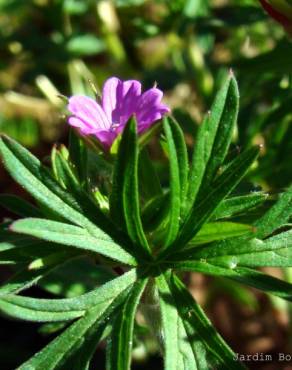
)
(281, 11)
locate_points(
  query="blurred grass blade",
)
(121, 340)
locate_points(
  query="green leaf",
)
(149, 180)
(57, 168)
(22, 313)
(221, 187)
(36, 179)
(75, 236)
(197, 324)
(78, 156)
(182, 155)
(240, 204)
(188, 360)
(244, 275)
(19, 206)
(69, 280)
(124, 199)
(23, 249)
(213, 139)
(121, 339)
(179, 353)
(278, 215)
(219, 230)
(30, 275)
(175, 184)
(169, 316)
(73, 339)
(90, 208)
(224, 132)
(155, 212)
(84, 45)
(106, 292)
(273, 252)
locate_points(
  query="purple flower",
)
(120, 100)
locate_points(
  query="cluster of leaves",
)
(136, 238)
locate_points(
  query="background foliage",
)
(51, 47)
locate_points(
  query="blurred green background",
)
(52, 47)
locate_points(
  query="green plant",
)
(141, 237)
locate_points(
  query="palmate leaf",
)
(197, 325)
(213, 139)
(121, 339)
(124, 199)
(75, 236)
(37, 180)
(221, 187)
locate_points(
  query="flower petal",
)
(150, 108)
(106, 138)
(77, 122)
(89, 113)
(119, 99)
(151, 119)
(110, 96)
(129, 93)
